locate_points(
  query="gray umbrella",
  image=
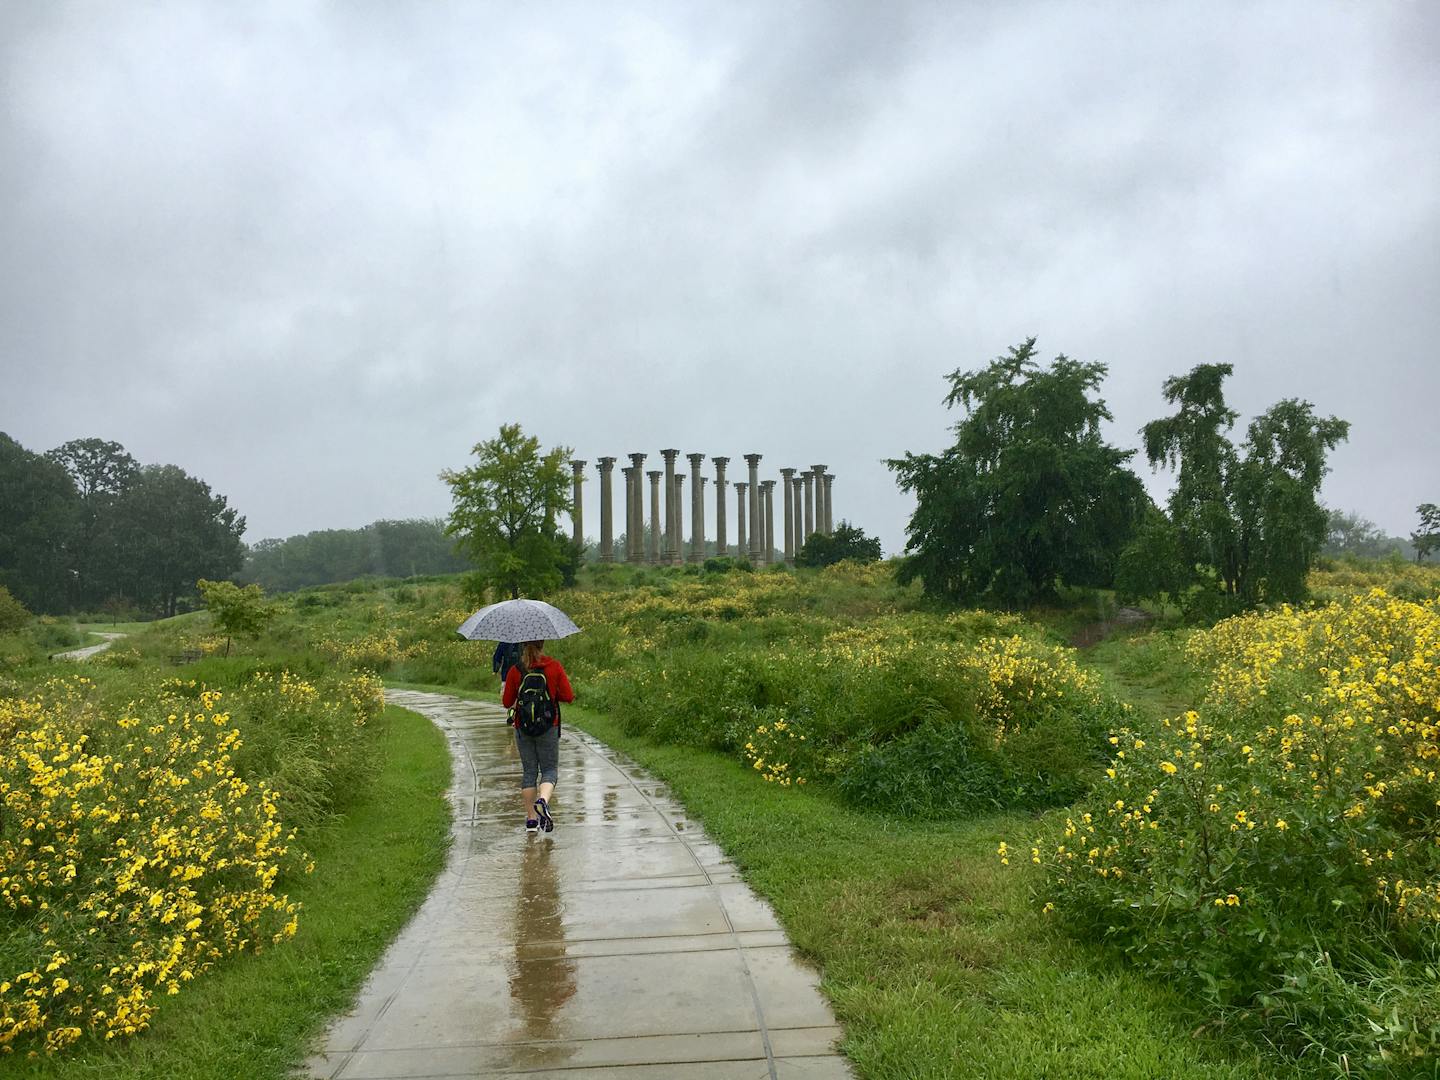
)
(518, 620)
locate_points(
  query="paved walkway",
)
(622, 945)
(90, 650)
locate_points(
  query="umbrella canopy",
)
(518, 620)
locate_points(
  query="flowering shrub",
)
(927, 714)
(1280, 846)
(133, 856)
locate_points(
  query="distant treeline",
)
(1351, 534)
(381, 549)
(86, 527)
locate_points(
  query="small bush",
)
(13, 615)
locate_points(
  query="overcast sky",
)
(313, 252)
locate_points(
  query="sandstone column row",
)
(804, 496)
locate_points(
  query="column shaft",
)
(635, 521)
(667, 547)
(607, 539)
(742, 547)
(799, 485)
(809, 506)
(769, 533)
(577, 515)
(697, 497)
(829, 507)
(788, 500)
(720, 493)
(679, 517)
(654, 552)
(756, 537)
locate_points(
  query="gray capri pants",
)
(539, 754)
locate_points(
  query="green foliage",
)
(84, 528)
(240, 612)
(1249, 525)
(380, 549)
(38, 510)
(1030, 495)
(1351, 535)
(1274, 851)
(504, 513)
(1152, 565)
(13, 616)
(1427, 538)
(847, 542)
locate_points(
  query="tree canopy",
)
(84, 526)
(1248, 522)
(846, 542)
(1426, 538)
(1029, 496)
(504, 513)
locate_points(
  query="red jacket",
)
(555, 678)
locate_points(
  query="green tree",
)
(847, 542)
(97, 466)
(1151, 566)
(1029, 495)
(504, 511)
(102, 472)
(38, 511)
(173, 530)
(1248, 523)
(1427, 538)
(1350, 534)
(13, 616)
(240, 612)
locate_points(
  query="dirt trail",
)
(1091, 634)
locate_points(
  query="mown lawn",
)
(253, 1017)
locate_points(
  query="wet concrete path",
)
(622, 945)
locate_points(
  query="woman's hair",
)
(530, 654)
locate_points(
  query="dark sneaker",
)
(547, 823)
(531, 825)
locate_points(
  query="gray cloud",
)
(313, 252)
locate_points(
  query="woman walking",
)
(533, 692)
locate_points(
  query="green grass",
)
(253, 1017)
(1146, 667)
(935, 958)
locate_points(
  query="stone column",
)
(700, 528)
(697, 495)
(809, 506)
(799, 484)
(654, 552)
(768, 534)
(607, 538)
(577, 515)
(742, 550)
(720, 485)
(753, 461)
(829, 509)
(788, 499)
(635, 523)
(679, 517)
(817, 473)
(629, 474)
(757, 525)
(667, 547)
